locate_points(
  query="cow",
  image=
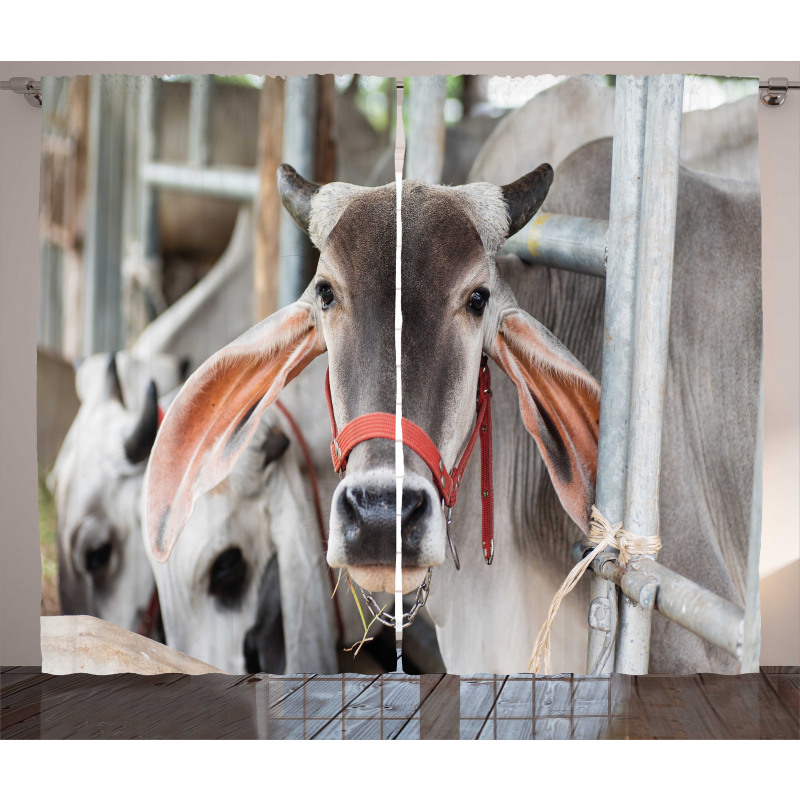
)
(707, 443)
(246, 587)
(103, 569)
(97, 483)
(461, 300)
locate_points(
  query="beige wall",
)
(779, 131)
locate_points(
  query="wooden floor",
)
(396, 706)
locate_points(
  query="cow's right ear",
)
(212, 419)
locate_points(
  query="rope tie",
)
(602, 534)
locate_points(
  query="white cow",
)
(97, 484)
(246, 588)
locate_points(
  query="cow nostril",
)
(351, 506)
(415, 506)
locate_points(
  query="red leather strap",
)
(380, 425)
(323, 531)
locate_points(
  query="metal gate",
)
(634, 250)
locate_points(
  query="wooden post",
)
(268, 203)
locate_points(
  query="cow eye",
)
(97, 558)
(228, 575)
(477, 302)
(325, 294)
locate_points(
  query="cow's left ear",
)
(214, 416)
(560, 405)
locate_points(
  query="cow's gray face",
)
(449, 240)
(354, 294)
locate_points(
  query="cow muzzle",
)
(363, 528)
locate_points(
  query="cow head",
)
(97, 486)
(455, 306)
(250, 540)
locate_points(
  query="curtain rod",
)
(773, 91)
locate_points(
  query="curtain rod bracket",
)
(773, 92)
(28, 87)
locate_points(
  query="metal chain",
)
(408, 618)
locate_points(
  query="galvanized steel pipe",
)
(230, 183)
(299, 136)
(700, 611)
(577, 244)
(686, 603)
(424, 158)
(651, 338)
(623, 254)
(200, 120)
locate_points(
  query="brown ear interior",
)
(560, 407)
(214, 416)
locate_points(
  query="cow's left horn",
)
(525, 196)
(296, 193)
(113, 388)
(140, 442)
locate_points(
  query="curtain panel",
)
(267, 308)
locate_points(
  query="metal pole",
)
(425, 149)
(652, 586)
(576, 244)
(102, 250)
(623, 253)
(751, 646)
(199, 120)
(230, 183)
(147, 211)
(299, 127)
(651, 337)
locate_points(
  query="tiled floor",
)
(396, 706)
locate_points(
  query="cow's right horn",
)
(140, 442)
(296, 193)
(524, 197)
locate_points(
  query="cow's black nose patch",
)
(368, 513)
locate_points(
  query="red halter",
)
(380, 425)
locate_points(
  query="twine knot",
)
(602, 534)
